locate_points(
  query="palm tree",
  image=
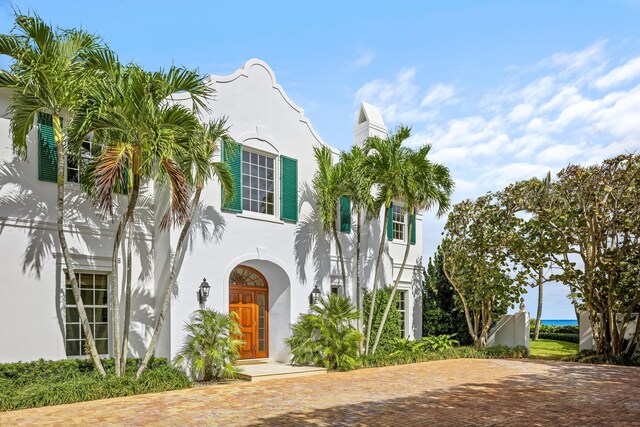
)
(200, 167)
(357, 184)
(141, 135)
(385, 161)
(210, 349)
(424, 185)
(48, 74)
(327, 183)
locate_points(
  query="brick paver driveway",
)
(451, 392)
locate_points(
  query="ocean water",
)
(560, 322)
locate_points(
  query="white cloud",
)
(559, 154)
(542, 119)
(624, 73)
(439, 94)
(364, 59)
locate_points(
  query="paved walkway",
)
(451, 392)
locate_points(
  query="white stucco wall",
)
(292, 256)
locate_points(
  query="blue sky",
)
(502, 90)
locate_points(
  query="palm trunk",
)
(90, 344)
(375, 281)
(340, 256)
(127, 304)
(358, 290)
(166, 300)
(115, 305)
(536, 331)
(395, 287)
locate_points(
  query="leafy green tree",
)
(210, 350)
(200, 167)
(327, 336)
(478, 263)
(393, 325)
(327, 183)
(598, 219)
(423, 185)
(442, 312)
(536, 246)
(141, 136)
(49, 75)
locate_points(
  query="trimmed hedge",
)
(574, 338)
(590, 356)
(393, 324)
(44, 383)
(497, 352)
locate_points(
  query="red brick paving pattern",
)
(443, 393)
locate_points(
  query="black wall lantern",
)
(203, 292)
(314, 296)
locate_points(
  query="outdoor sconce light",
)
(203, 292)
(314, 296)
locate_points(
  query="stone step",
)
(274, 370)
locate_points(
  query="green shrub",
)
(590, 356)
(392, 327)
(439, 342)
(43, 383)
(442, 311)
(551, 329)
(404, 345)
(574, 338)
(209, 351)
(327, 337)
(498, 352)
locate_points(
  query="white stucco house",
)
(262, 253)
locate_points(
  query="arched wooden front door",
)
(249, 298)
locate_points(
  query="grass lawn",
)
(551, 349)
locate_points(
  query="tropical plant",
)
(439, 342)
(423, 185)
(210, 351)
(478, 262)
(598, 220)
(200, 167)
(327, 336)
(141, 136)
(536, 246)
(385, 161)
(327, 183)
(357, 182)
(442, 311)
(405, 345)
(49, 75)
(393, 326)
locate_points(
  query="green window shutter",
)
(345, 214)
(288, 189)
(413, 229)
(232, 155)
(390, 223)
(47, 153)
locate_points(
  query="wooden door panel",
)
(245, 302)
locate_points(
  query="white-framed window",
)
(335, 290)
(402, 304)
(398, 222)
(258, 182)
(94, 293)
(74, 169)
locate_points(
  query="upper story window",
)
(93, 290)
(73, 167)
(258, 186)
(398, 222)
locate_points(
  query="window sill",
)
(259, 217)
(399, 242)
